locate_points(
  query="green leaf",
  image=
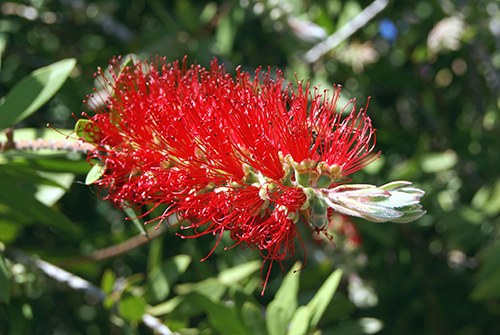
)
(165, 307)
(287, 293)
(131, 307)
(34, 91)
(239, 297)
(84, 130)
(488, 288)
(438, 161)
(225, 34)
(60, 162)
(25, 203)
(221, 317)
(30, 175)
(108, 281)
(134, 217)
(155, 253)
(300, 321)
(4, 281)
(162, 278)
(211, 287)
(239, 272)
(94, 174)
(253, 319)
(320, 301)
(49, 195)
(10, 230)
(276, 318)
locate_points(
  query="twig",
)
(73, 281)
(125, 246)
(78, 283)
(347, 30)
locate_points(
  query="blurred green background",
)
(432, 71)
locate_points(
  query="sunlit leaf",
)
(94, 174)
(238, 272)
(131, 307)
(34, 91)
(276, 318)
(49, 195)
(165, 307)
(300, 321)
(287, 293)
(438, 161)
(108, 281)
(320, 301)
(210, 287)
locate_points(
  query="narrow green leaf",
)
(49, 195)
(25, 203)
(108, 281)
(131, 307)
(94, 174)
(221, 317)
(287, 293)
(239, 297)
(165, 307)
(300, 321)
(4, 281)
(238, 272)
(34, 91)
(30, 175)
(155, 255)
(320, 301)
(211, 287)
(276, 316)
(134, 217)
(162, 278)
(225, 34)
(174, 267)
(62, 162)
(488, 288)
(158, 288)
(253, 319)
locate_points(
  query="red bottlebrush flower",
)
(243, 155)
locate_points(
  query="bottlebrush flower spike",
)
(249, 156)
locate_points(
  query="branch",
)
(46, 144)
(346, 31)
(78, 283)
